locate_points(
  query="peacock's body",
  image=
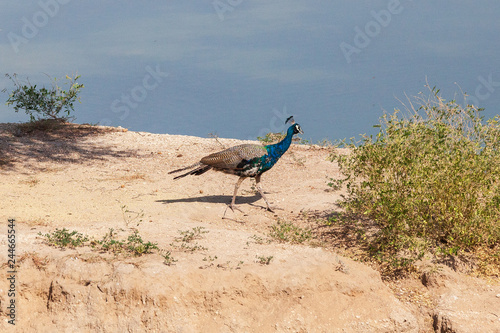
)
(247, 160)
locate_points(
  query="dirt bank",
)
(229, 277)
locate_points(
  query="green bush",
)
(43, 103)
(430, 180)
(137, 246)
(133, 245)
(65, 238)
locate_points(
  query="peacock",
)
(246, 160)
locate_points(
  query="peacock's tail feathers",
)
(197, 169)
(186, 168)
(201, 169)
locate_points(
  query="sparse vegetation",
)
(64, 238)
(225, 266)
(305, 142)
(168, 259)
(43, 104)
(131, 217)
(137, 246)
(263, 260)
(187, 237)
(257, 240)
(186, 247)
(430, 180)
(271, 138)
(190, 235)
(134, 244)
(109, 243)
(31, 181)
(210, 258)
(216, 137)
(35, 258)
(284, 231)
(342, 266)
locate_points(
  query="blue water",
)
(238, 68)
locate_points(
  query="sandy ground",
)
(92, 179)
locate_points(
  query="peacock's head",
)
(295, 127)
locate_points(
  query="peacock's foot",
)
(233, 207)
(271, 208)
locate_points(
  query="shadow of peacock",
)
(246, 160)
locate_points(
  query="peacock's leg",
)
(257, 182)
(238, 183)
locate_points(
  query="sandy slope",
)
(93, 179)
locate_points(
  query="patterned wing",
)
(235, 157)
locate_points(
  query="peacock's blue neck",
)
(275, 151)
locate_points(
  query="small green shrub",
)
(134, 244)
(264, 260)
(430, 180)
(168, 259)
(109, 243)
(44, 103)
(189, 235)
(65, 238)
(137, 246)
(284, 231)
